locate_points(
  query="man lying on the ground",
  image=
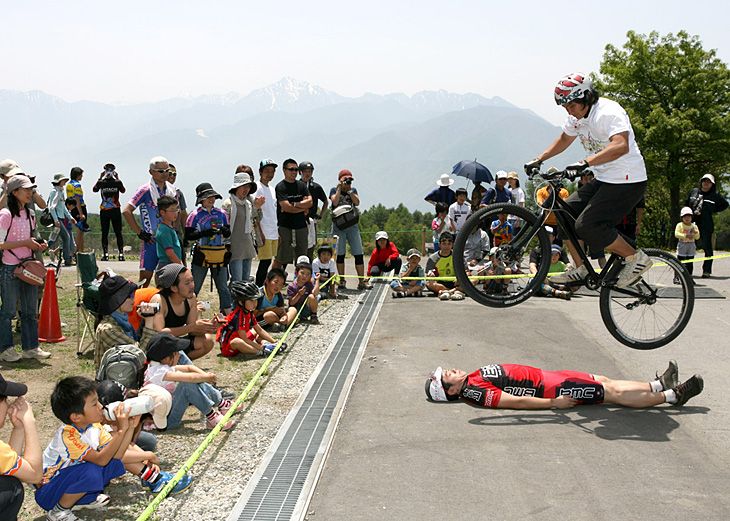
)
(511, 386)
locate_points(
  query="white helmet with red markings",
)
(573, 87)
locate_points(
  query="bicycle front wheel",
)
(655, 310)
(502, 279)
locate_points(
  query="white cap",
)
(445, 180)
(549, 229)
(500, 175)
(435, 389)
(381, 235)
(686, 211)
(303, 259)
(163, 403)
(710, 177)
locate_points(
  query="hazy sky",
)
(147, 51)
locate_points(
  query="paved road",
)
(397, 456)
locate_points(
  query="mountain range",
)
(397, 146)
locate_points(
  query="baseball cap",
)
(344, 173)
(513, 175)
(8, 388)
(549, 229)
(434, 388)
(18, 181)
(501, 175)
(163, 344)
(686, 211)
(556, 249)
(163, 403)
(413, 252)
(303, 259)
(6, 165)
(267, 162)
(710, 177)
(381, 235)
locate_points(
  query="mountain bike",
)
(645, 315)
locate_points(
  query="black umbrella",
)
(477, 172)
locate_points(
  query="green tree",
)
(678, 97)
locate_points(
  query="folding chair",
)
(87, 302)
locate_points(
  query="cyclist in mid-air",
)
(605, 131)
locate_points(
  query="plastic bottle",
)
(54, 233)
(134, 406)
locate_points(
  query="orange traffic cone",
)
(49, 323)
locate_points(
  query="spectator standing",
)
(345, 193)
(243, 211)
(687, 232)
(59, 212)
(17, 224)
(110, 187)
(267, 231)
(179, 224)
(306, 169)
(207, 226)
(476, 247)
(500, 193)
(518, 197)
(459, 211)
(21, 458)
(74, 189)
(169, 249)
(442, 194)
(385, 256)
(145, 198)
(477, 194)
(293, 203)
(440, 224)
(706, 201)
(630, 225)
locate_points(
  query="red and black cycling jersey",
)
(484, 387)
(238, 319)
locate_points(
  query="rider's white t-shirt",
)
(605, 119)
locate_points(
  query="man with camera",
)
(345, 194)
(293, 202)
(110, 211)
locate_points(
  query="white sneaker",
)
(457, 295)
(634, 266)
(445, 295)
(37, 353)
(9, 355)
(64, 515)
(571, 275)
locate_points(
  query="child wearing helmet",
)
(241, 332)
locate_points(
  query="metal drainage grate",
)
(275, 489)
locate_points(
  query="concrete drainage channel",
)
(281, 487)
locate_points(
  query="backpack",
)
(123, 363)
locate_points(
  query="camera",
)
(348, 181)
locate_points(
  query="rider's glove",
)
(145, 236)
(210, 232)
(534, 164)
(578, 167)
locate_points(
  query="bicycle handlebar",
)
(560, 174)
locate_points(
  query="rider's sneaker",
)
(121, 257)
(570, 276)
(688, 389)
(105, 257)
(634, 266)
(670, 378)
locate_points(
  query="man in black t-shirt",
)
(293, 202)
(306, 169)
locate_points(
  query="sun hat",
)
(686, 211)
(113, 292)
(344, 173)
(205, 190)
(163, 344)
(267, 162)
(6, 165)
(18, 181)
(167, 275)
(445, 180)
(413, 252)
(8, 388)
(59, 178)
(112, 166)
(381, 235)
(163, 403)
(708, 176)
(241, 179)
(513, 175)
(500, 175)
(434, 388)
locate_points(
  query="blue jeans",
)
(67, 242)
(351, 235)
(240, 269)
(12, 288)
(220, 277)
(203, 396)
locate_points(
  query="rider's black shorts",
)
(600, 207)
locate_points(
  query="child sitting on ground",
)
(325, 265)
(82, 457)
(412, 268)
(501, 230)
(687, 232)
(556, 266)
(153, 479)
(301, 292)
(169, 250)
(492, 267)
(242, 333)
(188, 384)
(271, 311)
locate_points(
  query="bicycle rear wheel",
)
(512, 254)
(655, 310)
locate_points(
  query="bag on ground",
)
(123, 363)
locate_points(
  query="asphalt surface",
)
(398, 456)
